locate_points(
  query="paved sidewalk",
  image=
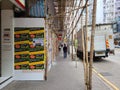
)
(63, 76)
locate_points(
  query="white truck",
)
(103, 41)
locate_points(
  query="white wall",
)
(29, 22)
(99, 12)
(7, 45)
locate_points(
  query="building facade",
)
(117, 10)
(109, 11)
(99, 14)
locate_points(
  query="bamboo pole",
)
(86, 50)
(72, 33)
(84, 63)
(92, 43)
(46, 61)
(72, 46)
(76, 51)
(76, 42)
(83, 47)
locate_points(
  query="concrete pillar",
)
(7, 36)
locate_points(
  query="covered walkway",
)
(63, 76)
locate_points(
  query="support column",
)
(7, 36)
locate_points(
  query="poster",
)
(22, 60)
(29, 49)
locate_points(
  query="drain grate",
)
(106, 74)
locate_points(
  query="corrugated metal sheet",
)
(37, 9)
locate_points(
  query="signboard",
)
(21, 3)
(6, 36)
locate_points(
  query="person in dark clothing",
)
(59, 47)
(65, 51)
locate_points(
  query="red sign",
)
(60, 34)
(59, 38)
(21, 3)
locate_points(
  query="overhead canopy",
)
(19, 3)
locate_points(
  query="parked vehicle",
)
(103, 41)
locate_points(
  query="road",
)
(110, 68)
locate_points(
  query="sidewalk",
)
(63, 76)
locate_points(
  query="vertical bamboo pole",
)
(86, 49)
(72, 45)
(72, 32)
(76, 41)
(92, 43)
(0, 44)
(46, 62)
(68, 18)
(73, 7)
(83, 46)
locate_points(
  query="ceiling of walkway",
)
(55, 9)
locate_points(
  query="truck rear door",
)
(99, 46)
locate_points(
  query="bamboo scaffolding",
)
(75, 3)
(78, 19)
(69, 16)
(64, 13)
(92, 43)
(75, 16)
(70, 11)
(72, 15)
(76, 12)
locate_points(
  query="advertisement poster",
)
(29, 49)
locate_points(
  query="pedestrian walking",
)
(65, 51)
(59, 48)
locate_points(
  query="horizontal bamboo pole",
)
(67, 12)
(78, 19)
